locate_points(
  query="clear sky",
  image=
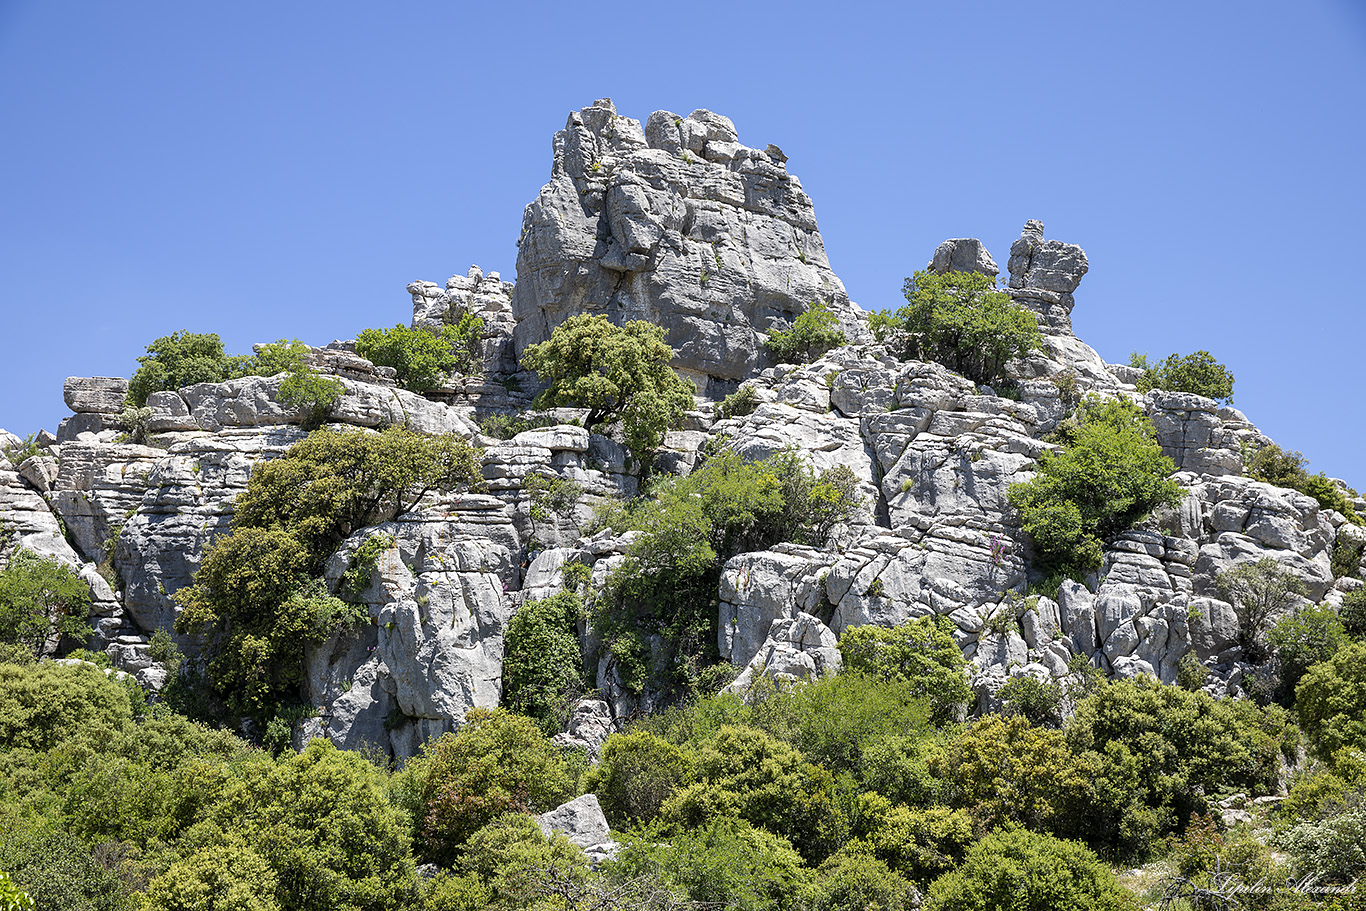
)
(266, 170)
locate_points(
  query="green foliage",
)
(1347, 556)
(1353, 612)
(813, 333)
(178, 360)
(922, 653)
(256, 599)
(1258, 591)
(959, 320)
(1040, 701)
(550, 496)
(337, 481)
(617, 373)
(1154, 755)
(1331, 702)
(40, 597)
(725, 863)
(856, 880)
(23, 451)
(1333, 849)
(1287, 468)
(222, 877)
(507, 426)
(55, 870)
(516, 862)
(46, 704)
(313, 394)
(743, 401)
(12, 898)
(1028, 871)
(742, 772)
(421, 358)
(1303, 639)
(668, 583)
(1191, 673)
(361, 568)
(1197, 373)
(542, 662)
(636, 773)
(497, 763)
(1110, 475)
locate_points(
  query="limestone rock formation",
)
(679, 224)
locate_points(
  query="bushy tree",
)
(921, 652)
(959, 320)
(47, 704)
(725, 863)
(177, 360)
(1258, 591)
(41, 598)
(422, 358)
(1028, 871)
(635, 774)
(257, 601)
(856, 880)
(617, 373)
(542, 662)
(813, 333)
(1197, 373)
(498, 762)
(1331, 702)
(1301, 640)
(1109, 475)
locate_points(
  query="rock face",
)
(676, 222)
(679, 224)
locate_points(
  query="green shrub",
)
(1331, 702)
(45, 704)
(856, 880)
(1197, 373)
(1258, 591)
(617, 373)
(1347, 556)
(12, 898)
(743, 401)
(813, 333)
(314, 395)
(1333, 849)
(257, 600)
(636, 773)
(23, 451)
(919, 844)
(360, 569)
(1353, 612)
(1303, 639)
(497, 763)
(520, 866)
(1028, 871)
(56, 871)
(922, 653)
(178, 360)
(423, 359)
(542, 662)
(724, 864)
(1109, 475)
(1040, 701)
(40, 597)
(668, 582)
(959, 320)
(1287, 468)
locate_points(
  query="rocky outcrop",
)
(677, 223)
(1043, 275)
(487, 297)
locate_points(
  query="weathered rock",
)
(1043, 275)
(581, 821)
(590, 724)
(95, 394)
(760, 588)
(680, 225)
(963, 254)
(796, 648)
(487, 297)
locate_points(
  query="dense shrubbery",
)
(617, 373)
(1331, 702)
(1197, 373)
(185, 358)
(1287, 468)
(959, 320)
(257, 600)
(1109, 474)
(423, 359)
(813, 333)
(41, 599)
(690, 527)
(922, 653)
(542, 663)
(1258, 591)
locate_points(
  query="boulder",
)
(95, 394)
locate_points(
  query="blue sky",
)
(267, 170)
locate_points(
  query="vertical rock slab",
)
(681, 225)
